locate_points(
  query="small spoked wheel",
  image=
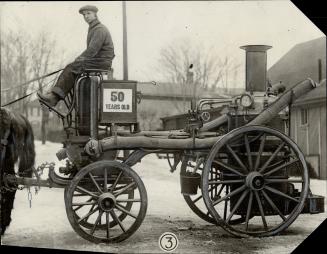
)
(263, 178)
(106, 202)
(121, 215)
(195, 202)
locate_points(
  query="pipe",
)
(203, 102)
(283, 101)
(255, 67)
(94, 107)
(162, 134)
(156, 143)
(215, 123)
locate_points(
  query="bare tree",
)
(24, 58)
(43, 59)
(15, 67)
(210, 71)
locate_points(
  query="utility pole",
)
(125, 56)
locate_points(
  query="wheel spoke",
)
(225, 203)
(88, 215)
(216, 186)
(77, 208)
(220, 163)
(108, 224)
(105, 183)
(124, 189)
(116, 181)
(234, 192)
(82, 190)
(276, 164)
(272, 204)
(273, 190)
(272, 157)
(238, 203)
(281, 180)
(226, 181)
(237, 158)
(120, 208)
(248, 211)
(211, 193)
(261, 210)
(280, 167)
(197, 199)
(80, 206)
(128, 200)
(79, 195)
(92, 207)
(248, 151)
(84, 203)
(262, 145)
(115, 218)
(95, 183)
(221, 189)
(96, 222)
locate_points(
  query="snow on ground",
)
(46, 224)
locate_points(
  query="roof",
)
(314, 96)
(300, 62)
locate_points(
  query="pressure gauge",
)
(205, 116)
(246, 100)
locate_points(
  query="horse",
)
(16, 147)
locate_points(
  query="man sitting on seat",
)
(98, 55)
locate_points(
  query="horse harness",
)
(9, 180)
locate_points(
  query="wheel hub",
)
(255, 181)
(107, 202)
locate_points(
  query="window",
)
(304, 116)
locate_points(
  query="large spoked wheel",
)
(264, 178)
(106, 202)
(196, 202)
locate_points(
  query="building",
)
(308, 113)
(307, 59)
(308, 128)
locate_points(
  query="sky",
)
(223, 26)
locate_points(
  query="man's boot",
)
(50, 98)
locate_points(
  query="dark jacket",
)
(100, 49)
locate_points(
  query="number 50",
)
(117, 96)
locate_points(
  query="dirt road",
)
(46, 225)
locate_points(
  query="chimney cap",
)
(254, 48)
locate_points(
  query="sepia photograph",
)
(161, 126)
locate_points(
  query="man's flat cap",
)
(88, 8)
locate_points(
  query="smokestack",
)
(256, 67)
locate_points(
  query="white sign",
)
(117, 100)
